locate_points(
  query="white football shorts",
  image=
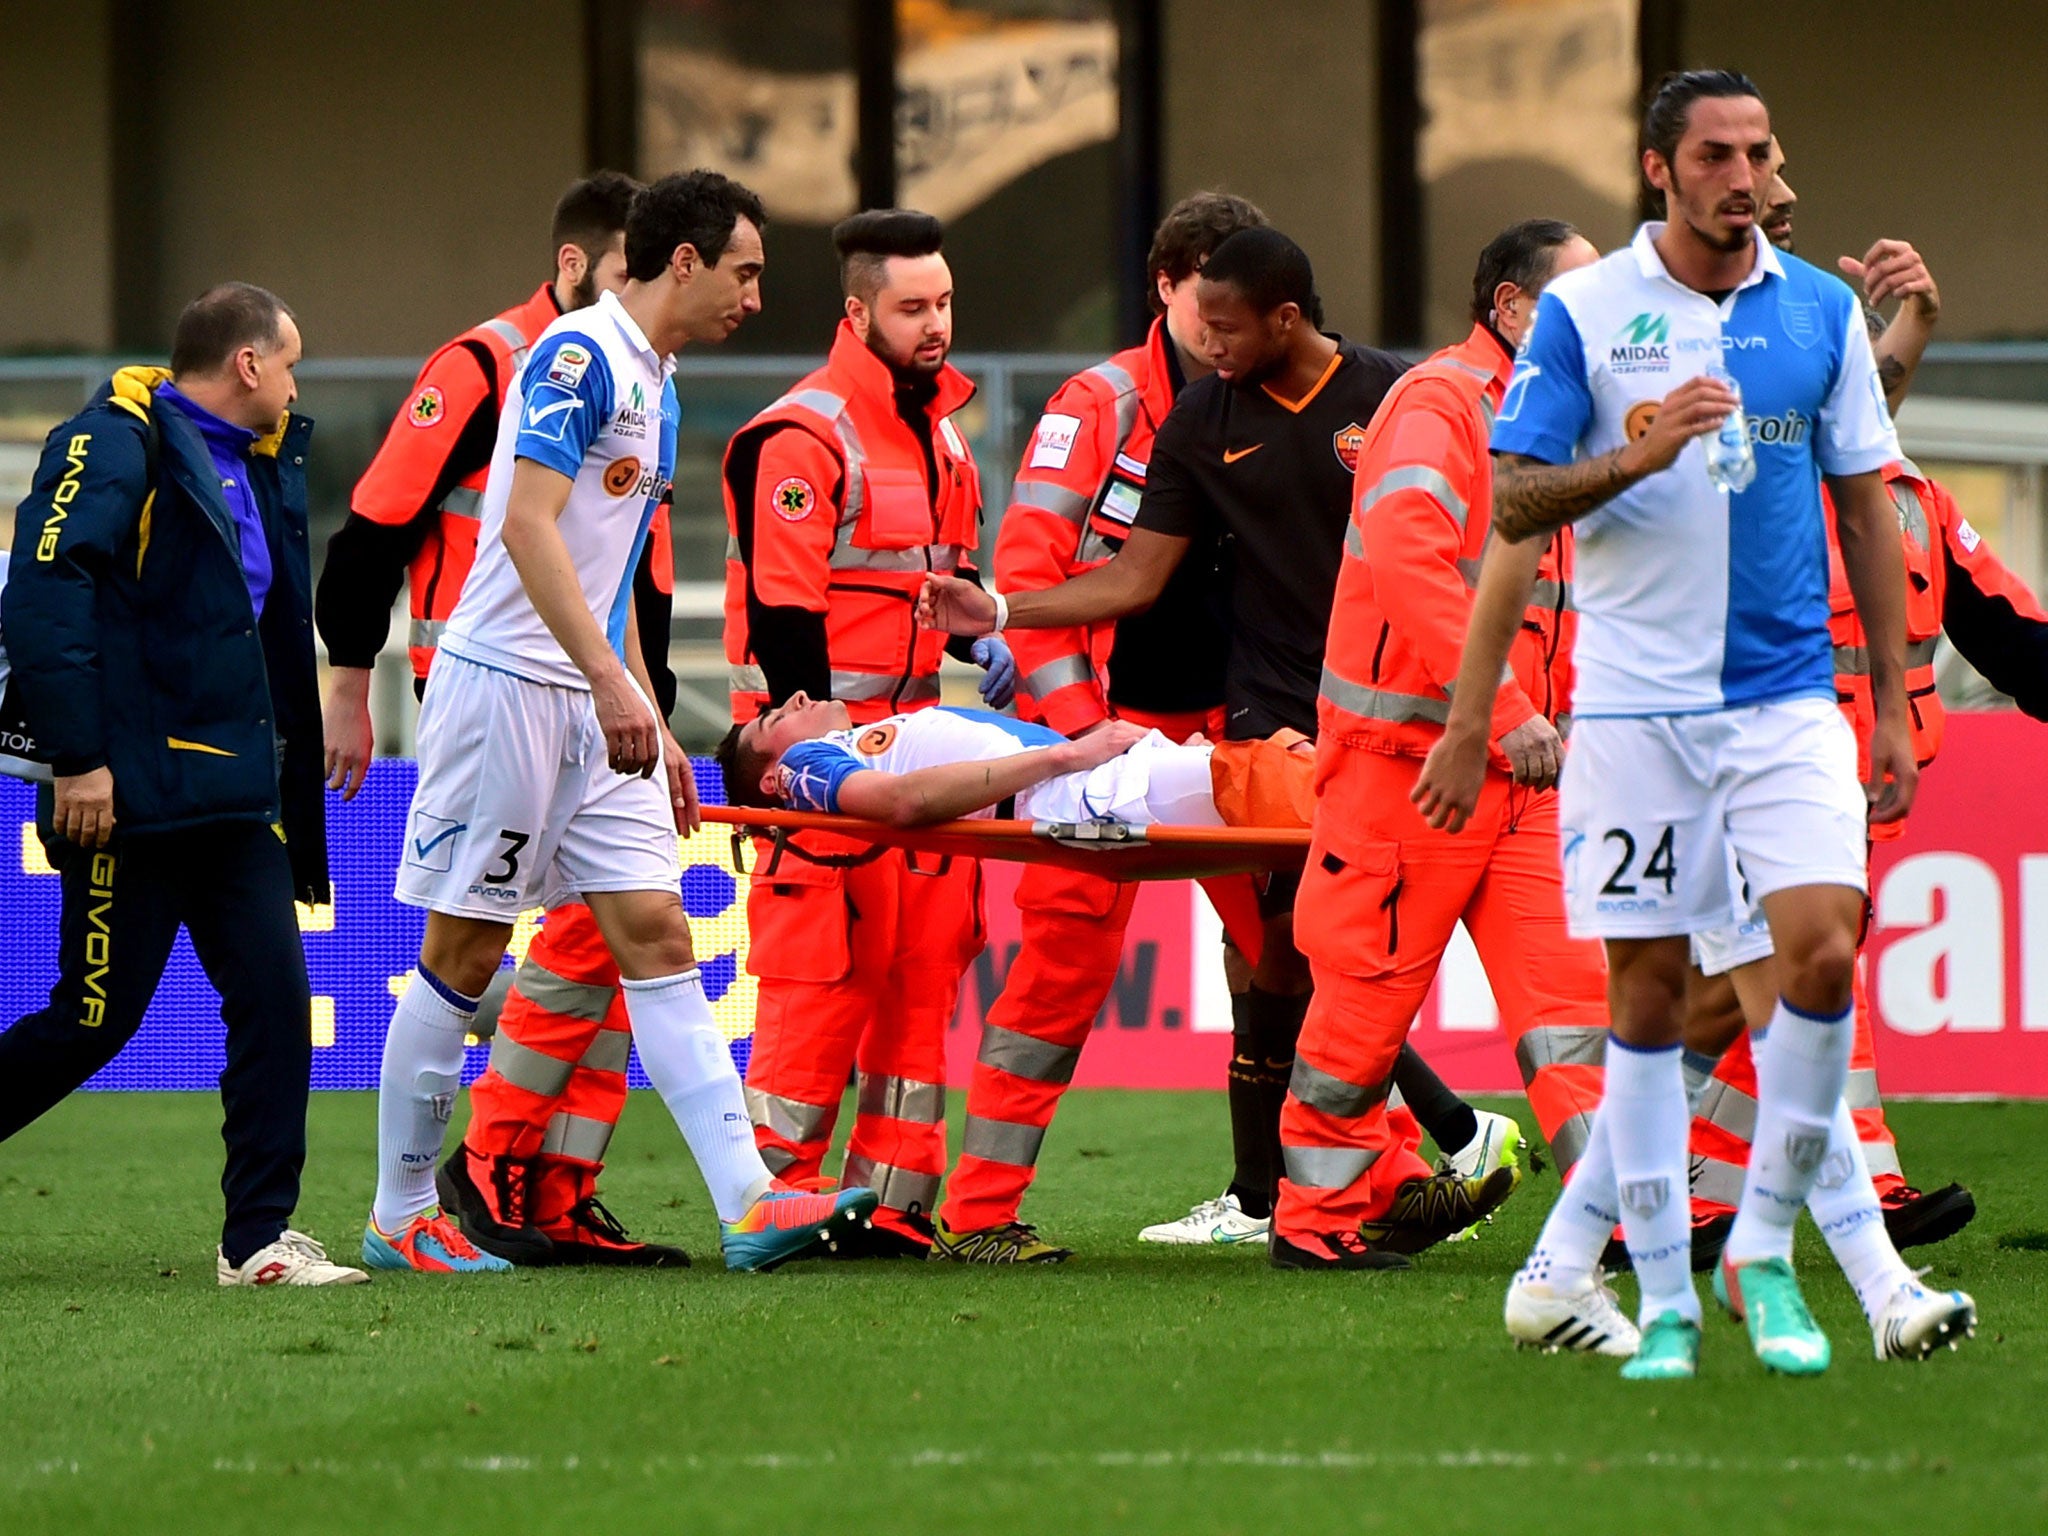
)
(1156, 783)
(517, 806)
(1657, 813)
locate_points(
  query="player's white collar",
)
(630, 329)
(1651, 265)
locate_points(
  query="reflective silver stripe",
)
(1332, 1095)
(424, 634)
(609, 1052)
(1433, 483)
(1861, 1089)
(747, 678)
(900, 1188)
(1854, 660)
(1327, 1167)
(903, 1098)
(1002, 1141)
(849, 686)
(1094, 547)
(847, 556)
(1060, 672)
(778, 1160)
(1056, 499)
(1717, 1181)
(524, 1067)
(514, 339)
(1912, 515)
(1020, 1055)
(1354, 541)
(1569, 1144)
(791, 1119)
(1470, 370)
(822, 401)
(1379, 703)
(1126, 389)
(1553, 595)
(1882, 1158)
(557, 994)
(1560, 1045)
(1468, 568)
(1728, 1108)
(463, 502)
(577, 1136)
(732, 547)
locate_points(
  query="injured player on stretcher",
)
(943, 763)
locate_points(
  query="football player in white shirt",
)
(546, 774)
(1706, 731)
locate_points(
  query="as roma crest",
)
(1348, 441)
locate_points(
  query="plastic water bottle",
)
(1731, 462)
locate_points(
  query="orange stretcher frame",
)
(1113, 850)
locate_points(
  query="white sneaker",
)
(294, 1259)
(1587, 1320)
(1915, 1322)
(1221, 1221)
(1499, 1143)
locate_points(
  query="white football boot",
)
(294, 1259)
(1587, 1320)
(1915, 1321)
(1220, 1223)
(1499, 1143)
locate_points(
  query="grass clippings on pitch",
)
(1134, 1389)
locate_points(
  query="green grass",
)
(1131, 1390)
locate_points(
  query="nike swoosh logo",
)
(535, 415)
(421, 850)
(1218, 1235)
(1232, 455)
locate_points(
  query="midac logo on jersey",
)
(1641, 345)
(631, 418)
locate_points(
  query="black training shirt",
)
(1273, 479)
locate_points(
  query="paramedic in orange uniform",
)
(840, 497)
(1075, 496)
(1382, 893)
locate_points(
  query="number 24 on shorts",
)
(1662, 865)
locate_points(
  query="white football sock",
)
(1802, 1064)
(1845, 1207)
(1576, 1231)
(1698, 1067)
(687, 1061)
(415, 1092)
(1646, 1129)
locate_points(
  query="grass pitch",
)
(1134, 1389)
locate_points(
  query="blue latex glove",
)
(999, 671)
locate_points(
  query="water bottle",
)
(1731, 462)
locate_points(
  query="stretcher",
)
(1111, 849)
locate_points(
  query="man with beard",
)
(1261, 452)
(840, 498)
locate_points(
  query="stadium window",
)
(1526, 111)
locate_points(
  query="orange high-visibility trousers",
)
(1725, 1119)
(859, 964)
(1072, 944)
(1379, 899)
(557, 1076)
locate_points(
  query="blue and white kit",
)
(517, 806)
(1154, 783)
(1703, 704)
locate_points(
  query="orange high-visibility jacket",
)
(1421, 514)
(829, 512)
(1953, 582)
(472, 373)
(1075, 497)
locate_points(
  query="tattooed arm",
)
(1532, 499)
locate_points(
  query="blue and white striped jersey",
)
(597, 403)
(1692, 599)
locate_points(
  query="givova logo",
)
(1641, 345)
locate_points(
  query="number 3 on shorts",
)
(514, 841)
(1662, 865)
